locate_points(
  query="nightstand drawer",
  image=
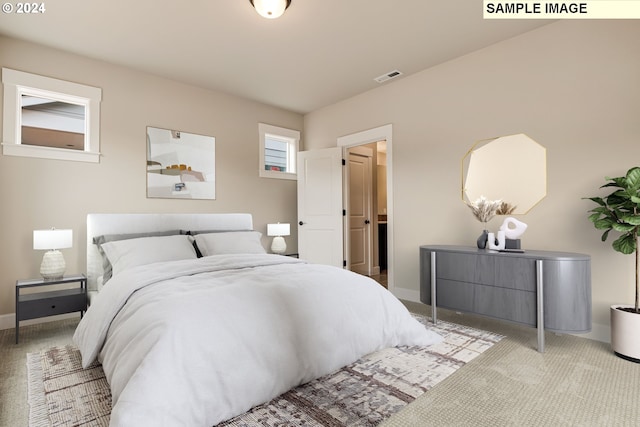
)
(50, 303)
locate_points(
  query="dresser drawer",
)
(509, 304)
(458, 267)
(514, 273)
(455, 295)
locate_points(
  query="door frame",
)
(381, 133)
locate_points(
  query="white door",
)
(320, 219)
(359, 209)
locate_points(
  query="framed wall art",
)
(180, 165)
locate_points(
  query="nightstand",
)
(49, 303)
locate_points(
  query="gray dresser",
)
(546, 290)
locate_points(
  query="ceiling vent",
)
(388, 76)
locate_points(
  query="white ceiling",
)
(318, 53)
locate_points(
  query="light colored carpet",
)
(364, 393)
(14, 409)
(576, 382)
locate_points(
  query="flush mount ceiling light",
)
(270, 9)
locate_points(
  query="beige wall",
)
(38, 193)
(574, 86)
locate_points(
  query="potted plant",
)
(620, 212)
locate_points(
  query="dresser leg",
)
(540, 298)
(17, 313)
(434, 316)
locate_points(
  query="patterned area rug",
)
(364, 393)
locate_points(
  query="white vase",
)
(625, 339)
(491, 241)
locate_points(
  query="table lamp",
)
(278, 246)
(53, 265)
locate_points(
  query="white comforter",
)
(197, 342)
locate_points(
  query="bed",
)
(194, 323)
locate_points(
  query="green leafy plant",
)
(620, 212)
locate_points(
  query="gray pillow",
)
(100, 240)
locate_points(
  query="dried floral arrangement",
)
(484, 209)
(506, 208)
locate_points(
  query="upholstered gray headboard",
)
(114, 223)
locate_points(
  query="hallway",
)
(381, 278)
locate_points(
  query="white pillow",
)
(125, 254)
(234, 242)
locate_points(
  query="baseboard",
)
(406, 294)
(8, 321)
(598, 332)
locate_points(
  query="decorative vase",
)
(482, 240)
(496, 242)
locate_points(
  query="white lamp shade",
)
(52, 239)
(270, 9)
(278, 229)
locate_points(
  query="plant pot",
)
(625, 336)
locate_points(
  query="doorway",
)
(368, 241)
(360, 205)
(366, 210)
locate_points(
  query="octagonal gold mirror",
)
(509, 168)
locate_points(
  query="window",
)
(50, 118)
(278, 151)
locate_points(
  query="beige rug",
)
(364, 393)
